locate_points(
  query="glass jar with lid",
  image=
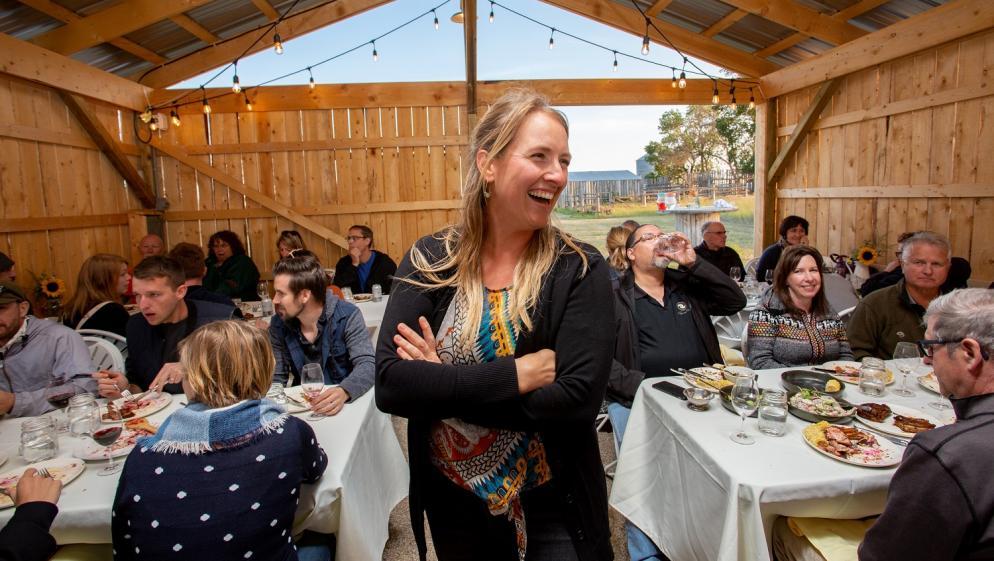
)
(39, 441)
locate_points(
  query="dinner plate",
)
(154, 406)
(731, 372)
(362, 297)
(888, 426)
(852, 378)
(815, 417)
(707, 372)
(296, 393)
(929, 382)
(889, 453)
(61, 469)
(122, 447)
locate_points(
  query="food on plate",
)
(247, 315)
(818, 404)
(64, 473)
(832, 386)
(875, 412)
(844, 442)
(130, 409)
(141, 426)
(846, 370)
(364, 297)
(912, 424)
(708, 378)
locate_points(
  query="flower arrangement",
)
(866, 254)
(49, 290)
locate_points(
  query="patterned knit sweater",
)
(778, 339)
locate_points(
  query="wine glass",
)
(58, 392)
(735, 273)
(312, 383)
(262, 289)
(745, 400)
(769, 276)
(906, 357)
(106, 434)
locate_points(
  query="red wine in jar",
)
(107, 436)
(61, 400)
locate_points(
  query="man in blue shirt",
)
(312, 325)
(364, 266)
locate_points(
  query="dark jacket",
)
(147, 343)
(111, 317)
(959, 274)
(198, 292)
(769, 259)
(381, 273)
(26, 537)
(571, 318)
(884, 319)
(711, 293)
(237, 277)
(940, 504)
(724, 259)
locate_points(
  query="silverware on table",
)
(895, 439)
(43, 472)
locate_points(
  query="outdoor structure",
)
(873, 118)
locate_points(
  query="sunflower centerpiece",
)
(863, 257)
(49, 290)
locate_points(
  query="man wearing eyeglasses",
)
(940, 504)
(894, 314)
(364, 266)
(663, 309)
(714, 249)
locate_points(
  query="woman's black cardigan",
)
(574, 317)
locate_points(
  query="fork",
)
(43, 472)
(895, 439)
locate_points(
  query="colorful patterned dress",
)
(494, 464)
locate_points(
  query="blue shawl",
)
(197, 429)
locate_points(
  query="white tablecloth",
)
(366, 477)
(700, 496)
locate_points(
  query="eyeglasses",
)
(925, 346)
(354, 238)
(721, 233)
(648, 237)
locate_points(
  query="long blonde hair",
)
(617, 237)
(462, 264)
(95, 283)
(226, 362)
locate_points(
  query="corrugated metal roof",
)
(22, 22)
(754, 33)
(702, 13)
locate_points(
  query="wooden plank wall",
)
(60, 198)
(395, 168)
(905, 145)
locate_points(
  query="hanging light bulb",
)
(614, 68)
(731, 92)
(645, 39)
(278, 43)
(673, 81)
(312, 84)
(174, 117)
(248, 102)
(146, 116)
(491, 12)
(752, 100)
(207, 105)
(552, 41)
(714, 95)
(683, 74)
(436, 19)
(236, 86)
(376, 55)
(154, 124)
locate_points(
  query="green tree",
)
(737, 128)
(689, 143)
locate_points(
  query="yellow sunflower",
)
(867, 255)
(52, 287)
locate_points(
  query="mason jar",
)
(83, 414)
(773, 412)
(872, 377)
(39, 441)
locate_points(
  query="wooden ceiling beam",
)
(801, 18)
(227, 50)
(725, 22)
(856, 10)
(33, 63)
(657, 8)
(694, 44)
(945, 23)
(65, 15)
(267, 8)
(114, 22)
(616, 92)
(195, 29)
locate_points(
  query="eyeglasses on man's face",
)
(354, 238)
(927, 346)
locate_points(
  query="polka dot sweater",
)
(230, 504)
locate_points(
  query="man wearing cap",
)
(33, 353)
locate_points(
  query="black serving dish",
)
(795, 380)
(815, 418)
(726, 400)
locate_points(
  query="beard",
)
(660, 262)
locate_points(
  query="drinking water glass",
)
(773, 412)
(872, 377)
(735, 273)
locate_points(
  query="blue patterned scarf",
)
(197, 429)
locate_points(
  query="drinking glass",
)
(745, 400)
(312, 382)
(769, 276)
(735, 273)
(906, 357)
(872, 377)
(58, 392)
(106, 434)
(773, 412)
(262, 289)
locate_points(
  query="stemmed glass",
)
(262, 289)
(312, 382)
(107, 434)
(906, 357)
(745, 400)
(735, 273)
(58, 392)
(769, 276)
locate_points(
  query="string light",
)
(154, 125)
(673, 81)
(614, 68)
(552, 41)
(752, 100)
(207, 105)
(376, 56)
(146, 116)
(174, 117)
(311, 81)
(645, 39)
(683, 74)
(277, 43)
(236, 86)
(436, 19)
(731, 92)
(714, 95)
(491, 18)
(248, 102)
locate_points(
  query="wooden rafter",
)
(630, 20)
(197, 30)
(65, 15)
(932, 28)
(724, 23)
(856, 10)
(657, 7)
(177, 153)
(30, 62)
(267, 8)
(225, 51)
(803, 126)
(108, 145)
(801, 18)
(469, 31)
(111, 23)
(764, 223)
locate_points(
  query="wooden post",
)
(764, 217)
(469, 31)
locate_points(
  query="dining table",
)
(700, 496)
(366, 477)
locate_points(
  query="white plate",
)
(297, 393)
(158, 404)
(888, 426)
(892, 454)
(63, 470)
(854, 379)
(125, 444)
(732, 371)
(929, 382)
(363, 297)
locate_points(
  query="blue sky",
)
(601, 138)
